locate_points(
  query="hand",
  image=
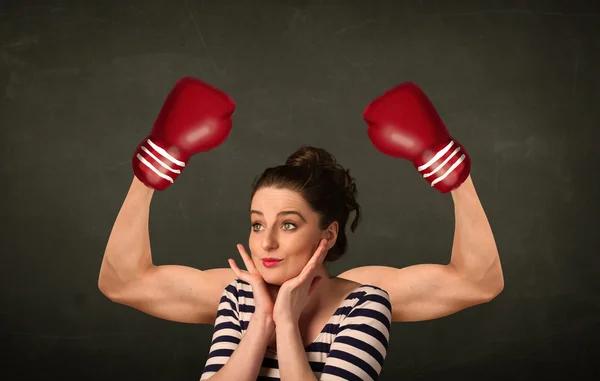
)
(263, 303)
(295, 293)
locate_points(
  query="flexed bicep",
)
(421, 292)
(177, 293)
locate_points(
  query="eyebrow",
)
(282, 213)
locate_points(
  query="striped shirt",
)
(351, 346)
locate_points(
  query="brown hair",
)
(324, 184)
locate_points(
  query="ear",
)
(331, 234)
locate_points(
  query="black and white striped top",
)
(352, 345)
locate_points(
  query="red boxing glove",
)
(404, 124)
(195, 117)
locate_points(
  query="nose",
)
(269, 241)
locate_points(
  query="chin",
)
(274, 279)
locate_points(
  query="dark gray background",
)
(517, 82)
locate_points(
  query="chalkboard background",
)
(517, 82)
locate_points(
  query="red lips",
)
(270, 262)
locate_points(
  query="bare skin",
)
(183, 294)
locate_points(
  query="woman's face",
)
(283, 227)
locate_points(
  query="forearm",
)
(474, 252)
(127, 252)
(246, 361)
(293, 364)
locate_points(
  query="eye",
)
(286, 226)
(290, 224)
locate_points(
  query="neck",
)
(320, 293)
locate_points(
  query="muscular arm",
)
(429, 291)
(128, 276)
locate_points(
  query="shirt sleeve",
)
(360, 347)
(227, 332)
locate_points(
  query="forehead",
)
(274, 200)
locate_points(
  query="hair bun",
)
(318, 160)
(308, 156)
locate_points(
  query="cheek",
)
(299, 238)
(302, 249)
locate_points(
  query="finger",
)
(246, 258)
(307, 271)
(234, 267)
(316, 260)
(315, 257)
(238, 273)
(323, 253)
(319, 254)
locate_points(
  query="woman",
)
(196, 117)
(287, 317)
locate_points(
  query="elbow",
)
(493, 288)
(105, 287)
(105, 279)
(111, 283)
(492, 294)
(109, 287)
(493, 283)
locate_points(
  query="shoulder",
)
(368, 316)
(238, 285)
(236, 292)
(364, 292)
(370, 302)
(361, 297)
(373, 297)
